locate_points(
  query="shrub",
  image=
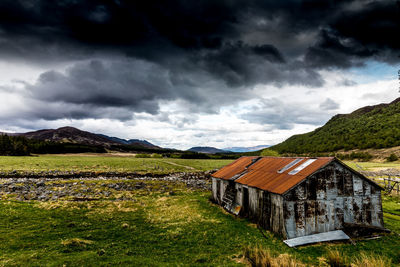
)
(143, 156)
(362, 156)
(269, 152)
(392, 157)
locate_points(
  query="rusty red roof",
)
(270, 174)
(236, 167)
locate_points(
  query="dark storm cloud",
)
(160, 30)
(204, 53)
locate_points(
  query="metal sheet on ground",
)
(316, 238)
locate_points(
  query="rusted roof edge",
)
(253, 161)
(257, 157)
(237, 176)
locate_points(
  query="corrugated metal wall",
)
(329, 199)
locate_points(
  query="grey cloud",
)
(284, 116)
(329, 104)
(347, 82)
(230, 39)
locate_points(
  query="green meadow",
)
(157, 227)
(105, 163)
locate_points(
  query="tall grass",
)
(259, 257)
(365, 260)
(337, 259)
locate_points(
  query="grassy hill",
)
(368, 127)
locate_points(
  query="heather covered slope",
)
(368, 127)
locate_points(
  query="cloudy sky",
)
(186, 73)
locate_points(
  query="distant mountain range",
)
(73, 135)
(207, 149)
(76, 136)
(246, 149)
(372, 127)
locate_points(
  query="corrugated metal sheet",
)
(236, 167)
(264, 174)
(316, 238)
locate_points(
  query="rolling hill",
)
(374, 127)
(76, 136)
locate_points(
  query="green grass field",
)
(102, 163)
(96, 163)
(156, 228)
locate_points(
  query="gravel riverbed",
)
(117, 186)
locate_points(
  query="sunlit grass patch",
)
(173, 210)
(52, 205)
(73, 243)
(107, 207)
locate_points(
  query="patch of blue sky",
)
(374, 71)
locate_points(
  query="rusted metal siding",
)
(263, 207)
(330, 198)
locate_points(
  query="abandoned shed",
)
(298, 196)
